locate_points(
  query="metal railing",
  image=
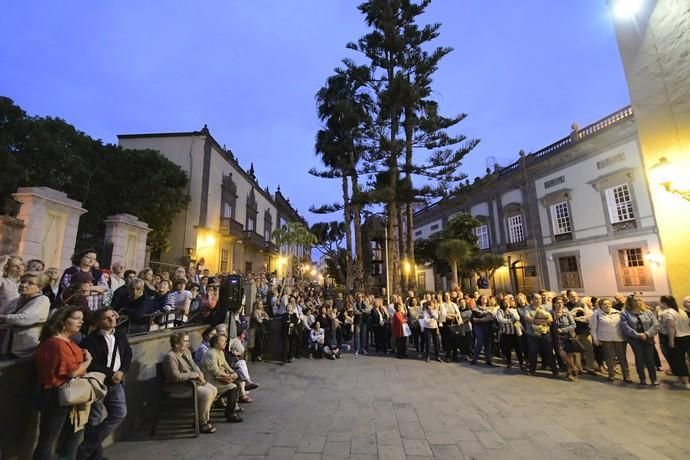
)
(564, 143)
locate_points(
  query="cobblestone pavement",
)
(380, 407)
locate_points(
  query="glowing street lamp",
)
(626, 9)
(667, 175)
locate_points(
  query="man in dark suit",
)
(112, 356)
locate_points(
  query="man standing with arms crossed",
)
(112, 356)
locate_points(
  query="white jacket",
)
(27, 323)
(606, 327)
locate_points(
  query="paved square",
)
(374, 407)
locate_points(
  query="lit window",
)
(560, 217)
(516, 233)
(632, 267)
(569, 273)
(482, 233)
(620, 203)
(227, 210)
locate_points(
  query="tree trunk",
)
(410, 247)
(347, 211)
(359, 278)
(455, 274)
(392, 205)
(409, 223)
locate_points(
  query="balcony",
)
(563, 236)
(516, 246)
(253, 239)
(230, 227)
(271, 247)
(625, 225)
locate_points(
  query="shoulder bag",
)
(87, 388)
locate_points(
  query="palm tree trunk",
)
(347, 211)
(455, 273)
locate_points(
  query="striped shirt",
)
(506, 319)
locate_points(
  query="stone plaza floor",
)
(374, 407)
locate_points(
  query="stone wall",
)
(19, 421)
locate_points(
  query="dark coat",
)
(95, 343)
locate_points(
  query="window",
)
(224, 257)
(482, 233)
(251, 224)
(516, 233)
(560, 218)
(227, 211)
(569, 272)
(418, 233)
(620, 203)
(434, 227)
(421, 281)
(268, 225)
(376, 251)
(633, 271)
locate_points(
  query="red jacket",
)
(398, 321)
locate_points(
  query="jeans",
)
(54, 426)
(612, 350)
(361, 336)
(644, 357)
(543, 345)
(482, 339)
(429, 336)
(114, 409)
(510, 342)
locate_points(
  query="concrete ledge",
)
(19, 420)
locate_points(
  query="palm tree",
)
(454, 251)
(292, 236)
(345, 107)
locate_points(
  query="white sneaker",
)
(356, 354)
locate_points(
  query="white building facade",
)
(227, 226)
(574, 215)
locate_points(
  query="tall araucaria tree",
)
(407, 118)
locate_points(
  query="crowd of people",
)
(78, 323)
(566, 334)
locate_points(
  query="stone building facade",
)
(574, 215)
(227, 225)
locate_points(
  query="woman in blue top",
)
(564, 329)
(639, 326)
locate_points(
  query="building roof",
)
(549, 151)
(277, 199)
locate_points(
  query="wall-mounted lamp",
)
(626, 9)
(664, 173)
(654, 258)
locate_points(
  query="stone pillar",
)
(10, 234)
(655, 49)
(127, 235)
(51, 221)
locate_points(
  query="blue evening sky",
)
(523, 71)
